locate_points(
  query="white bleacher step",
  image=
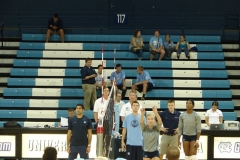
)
(8, 52)
(5, 70)
(6, 61)
(63, 46)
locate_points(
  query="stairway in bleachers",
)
(45, 80)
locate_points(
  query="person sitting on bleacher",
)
(136, 44)
(156, 46)
(183, 46)
(143, 83)
(169, 46)
(214, 115)
(70, 115)
(119, 76)
(55, 26)
(100, 81)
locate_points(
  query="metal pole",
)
(1, 26)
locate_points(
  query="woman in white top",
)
(214, 115)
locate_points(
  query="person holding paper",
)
(64, 121)
(79, 136)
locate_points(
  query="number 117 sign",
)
(121, 18)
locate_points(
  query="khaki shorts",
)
(167, 141)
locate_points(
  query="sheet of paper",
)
(64, 121)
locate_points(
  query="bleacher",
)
(45, 80)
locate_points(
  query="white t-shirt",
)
(127, 109)
(100, 107)
(98, 79)
(214, 116)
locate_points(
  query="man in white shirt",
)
(127, 108)
(214, 115)
(100, 105)
(99, 81)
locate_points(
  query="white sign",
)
(226, 147)
(7, 146)
(202, 150)
(33, 145)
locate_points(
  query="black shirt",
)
(58, 23)
(88, 72)
(79, 127)
(170, 120)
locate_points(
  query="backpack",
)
(193, 49)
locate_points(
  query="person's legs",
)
(99, 92)
(49, 32)
(93, 94)
(155, 155)
(174, 141)
(179, 51)
(193, 150)
(123, 90)
(140, 54)
(129, 150)
(87, 96)
(187, 53)
(162, 53)
(138, 152)
(82, 151)
(73, 154)
(151, 56)
(186, 148)
(61, 33)
(164, 145)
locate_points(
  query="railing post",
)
(1, 26)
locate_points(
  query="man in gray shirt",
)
(190, 127)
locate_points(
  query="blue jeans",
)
(139, 52)
(169, 50)
(185, 50)
(75, 150)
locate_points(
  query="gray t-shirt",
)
(189, 124)
(150, 137)
(137, 40)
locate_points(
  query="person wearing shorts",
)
(169, 130)
(190, 129)
(143, 83)
(131, 126)
(150, 134)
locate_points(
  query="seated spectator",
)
(214, 115)
(70, 115)
(173, 153)
(156, 46)
(168, 45)
(99, 81)
(143, 83)
(136, 44)
(55, 26)
(183, 46)
(119, 77)
(50, 153)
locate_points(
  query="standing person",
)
(183, 46)
(99, 81)
(119, 76)
(190, 127)
(55, 26)
(136, 44)
(100, 105)
(168, 45)
(170, 120)
(173, 153)
(79, 136)
(156, 46)
(143, 83)
(88, 83)
(131, 126)
(214, 115)
(151, 132)
(117, 109)
(127, 108)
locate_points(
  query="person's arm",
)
(96, 116)
(134, 42)
(123, 79)
(177, 45)
(124, 130)
(188, 46)
(180, 129)
(95, 110)
(142, 124)
(150, 44)
(89, 140)
(221, 119)
(69, 135)
(207, 120)
(146, 77)
(159, 120)
(60, 24)
(142, 44)
(198, 126)
(49, 24)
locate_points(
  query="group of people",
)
(156, 44)
(92, 82)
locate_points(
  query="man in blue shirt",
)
(55, 26)
(119, 76)
(143, 83)
(131, 126)
(170, 120)
(79, 136)
(88, 84)
(156, 46)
